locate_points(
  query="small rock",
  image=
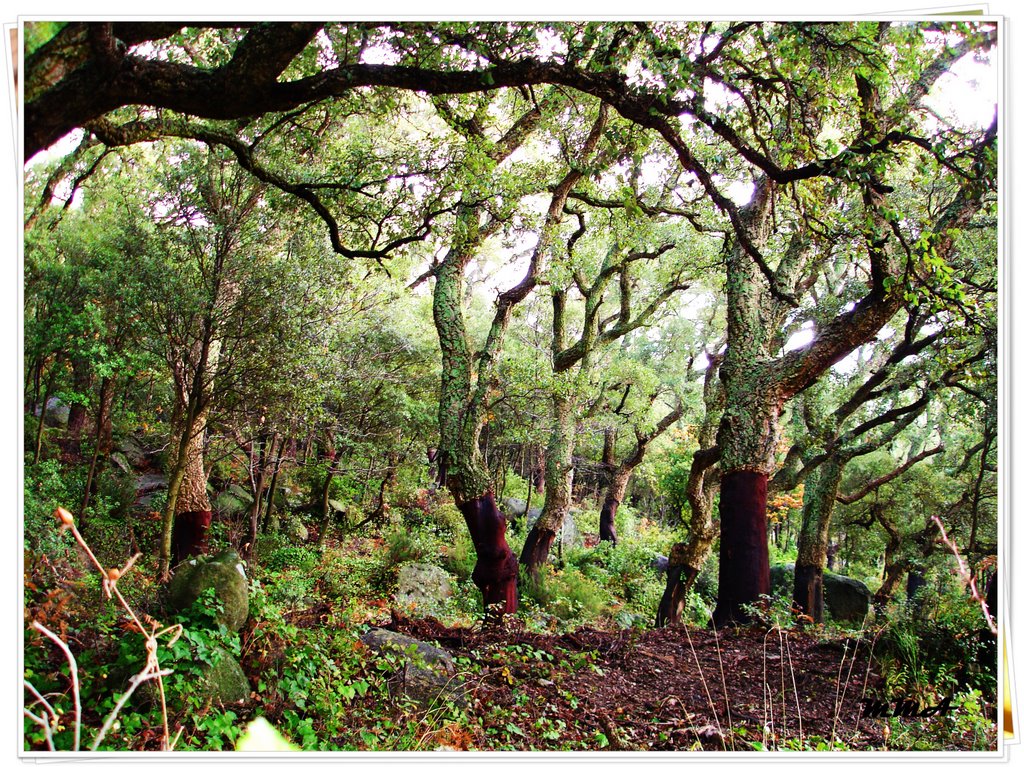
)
(233, 501)
(120, 461)
(57, 413)
(226, 682)
(569, 534)
(150, 483)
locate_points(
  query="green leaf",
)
(260, 735)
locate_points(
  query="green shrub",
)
(49, 484)
(298, 557)
(404, 546)
(937, 648)
(568, 594)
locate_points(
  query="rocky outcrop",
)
(424, 672)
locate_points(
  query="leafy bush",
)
(460, 559)
(568, 594)
(404, 546)
(929, 652)
(49, 484)
(299, 557)
(117, 489)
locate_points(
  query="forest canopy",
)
(609, 323)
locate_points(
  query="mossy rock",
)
(426, 676)
(234, 500)
(225, 574)
(225, 682)
(295, 530)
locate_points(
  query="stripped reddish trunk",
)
(743, 558)
(809, 591)
(496, 568)
(537, 549)
(612, 499)
(606, 529)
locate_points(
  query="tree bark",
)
(812, 548)
(78, 414)
(743, 560)
(496, 572)
(270, 493)
(614, 494)
(101, 439)
(192, 512)
(559, 473)
(259, 463)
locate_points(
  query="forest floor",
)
(673, 688)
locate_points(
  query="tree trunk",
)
(101, 439)
(192, 510)
(616, 491)
(915, 580)
(539, 540)
(691, 555)
(78, 414)
(540, 459)
(47, 393)
(496, 570)
(460, 419)
(743, 560)
(893, 572)
(270, 493)
(259, 463)
(679, 579)
(812, 548)
(325, 491)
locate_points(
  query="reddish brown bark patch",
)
(743, 552)
(537, 549)
(607, 524)
(497, 569)
(808, 591)
(191, 535)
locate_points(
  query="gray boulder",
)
(225, 574)
(425, 672)
(148, 488)
(660, 563)
(133, 450)
(56, 412)
(422, 587)
(846, 599)
(121, 462)
(148, 484)
(514, 508)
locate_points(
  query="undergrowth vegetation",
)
(307, 673)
